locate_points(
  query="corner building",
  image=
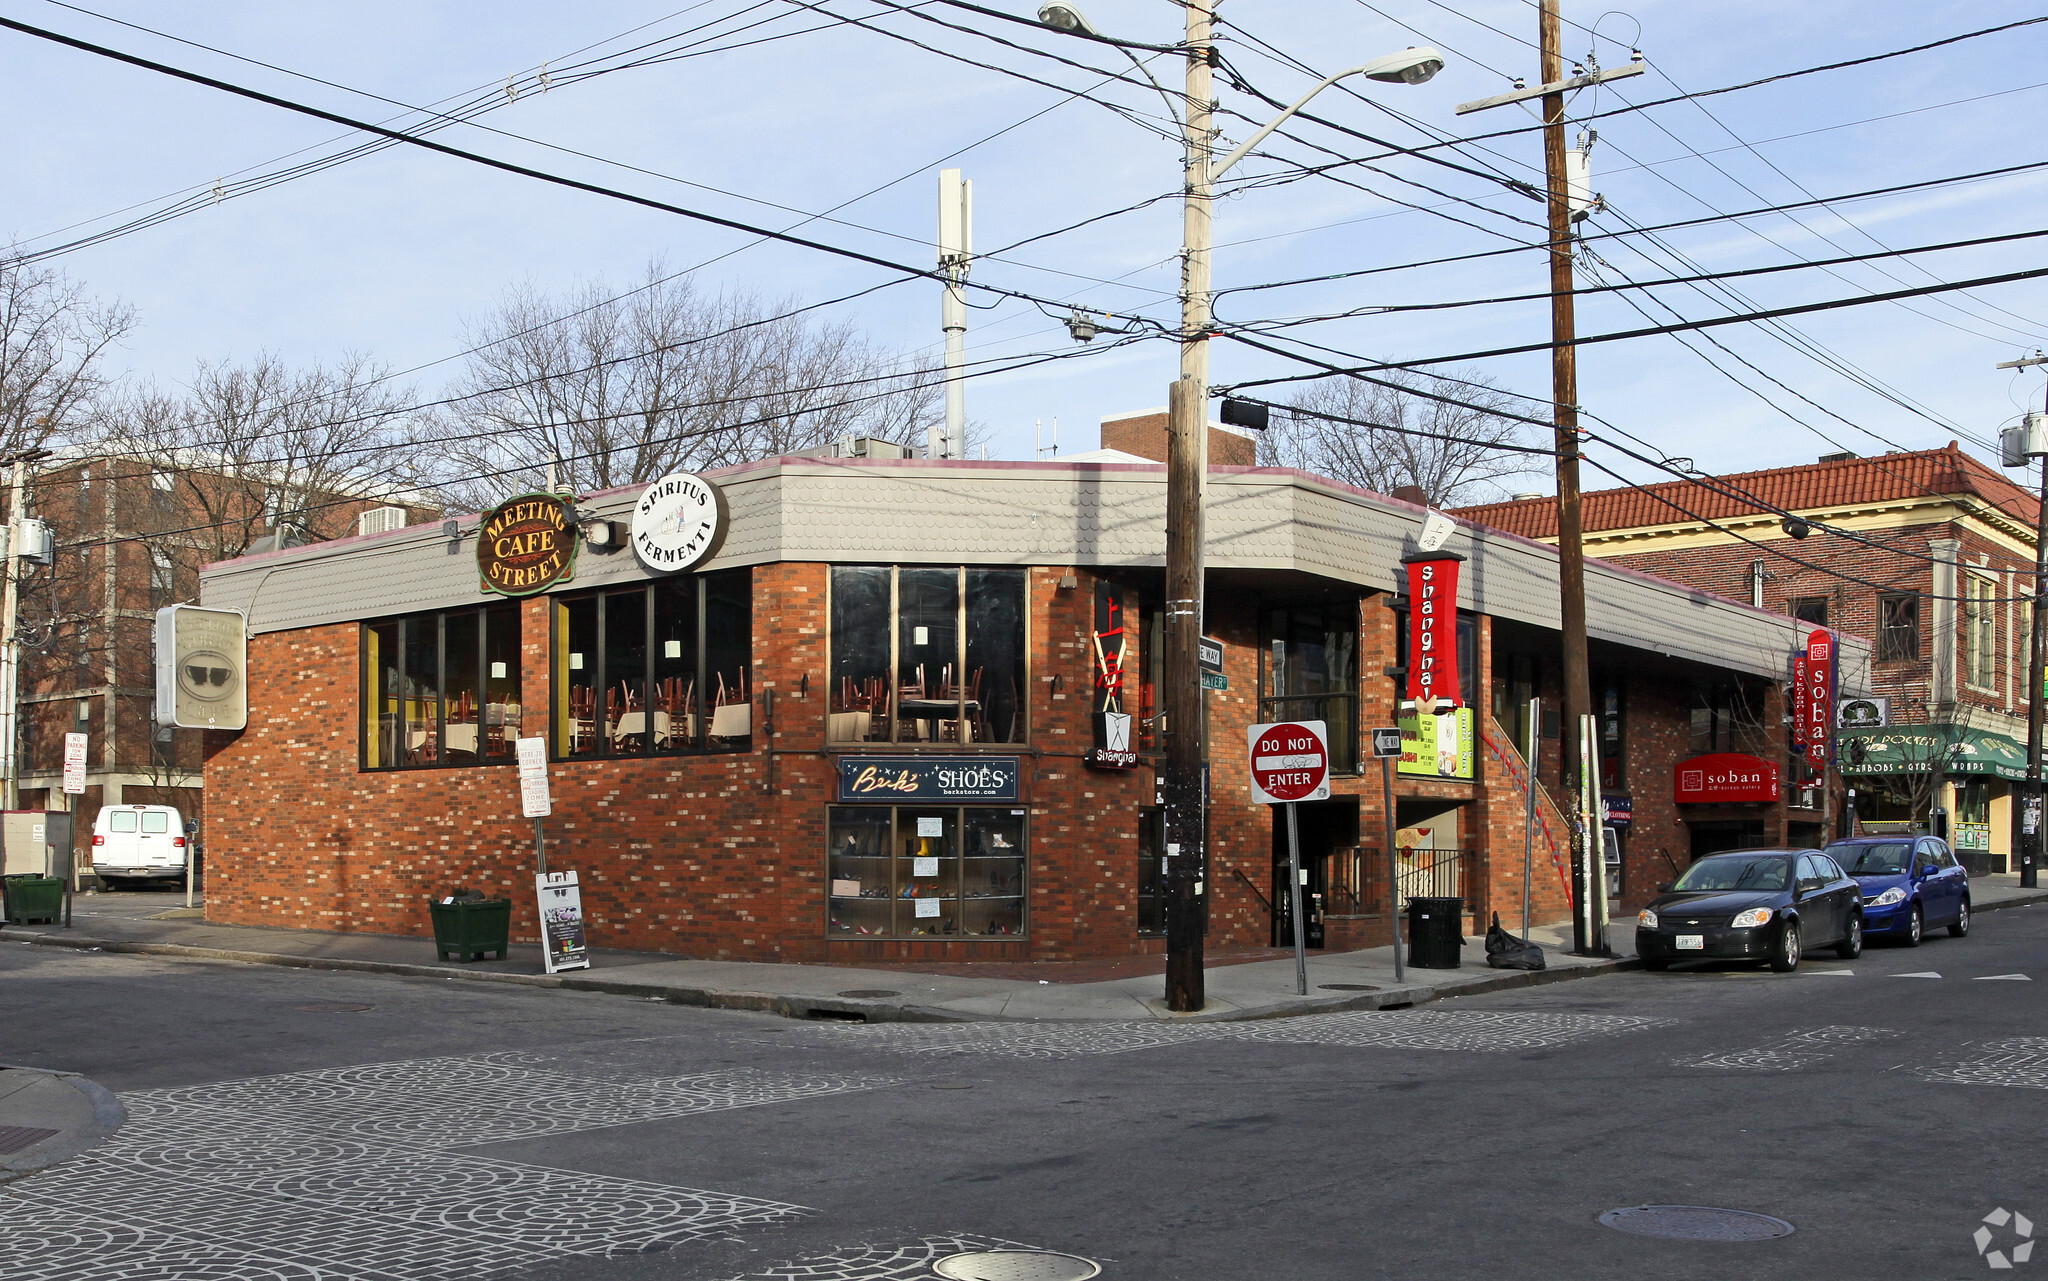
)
(885, 719)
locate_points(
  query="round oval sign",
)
(677, 522)
(1290, 762)
(526, 545)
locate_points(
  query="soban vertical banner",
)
(1820, 696)
(1433, 629)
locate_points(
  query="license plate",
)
(1692, 942)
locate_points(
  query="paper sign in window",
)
(927, 907)
(924, 867)
(931, 827)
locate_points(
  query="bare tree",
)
(1453, 460)
(620, 390)
(250, 447)
(53, 342)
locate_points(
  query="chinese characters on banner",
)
(1802, 710)
(1819, 696)
(1433, 630)
(1111, 724)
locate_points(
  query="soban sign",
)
(1290, 762)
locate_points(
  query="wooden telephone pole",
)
(1587, 853)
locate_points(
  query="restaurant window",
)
(656, 668)
(1980, 631)
(442, 688)
(941, 871)
(927, 656)
(1716, 713)
(1809, 609)
(1152, 870)
(1898, 627)
(1310, 656)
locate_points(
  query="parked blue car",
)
(1911, 884)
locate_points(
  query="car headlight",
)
(1646, 919)
(1751, 919)
(1886, 899)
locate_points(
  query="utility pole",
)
(956, 251)
(10, 639)
(1187, 470)
(2026, 822)
(1564, 393)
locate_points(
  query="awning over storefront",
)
(1912, 749)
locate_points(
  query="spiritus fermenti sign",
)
(677, 522)
(526, 545)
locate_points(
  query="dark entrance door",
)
(1713, 836)
(1326, 827)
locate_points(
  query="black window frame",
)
(696, 743)
(1898, 642)
(1808, 609)
(1345, 755)
(367, 692)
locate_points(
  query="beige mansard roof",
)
(906, 511)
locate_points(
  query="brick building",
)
(1927, 556)
(131, 532)
(865, 727)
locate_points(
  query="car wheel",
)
(1656, 964)
(1915, 927)
(1961, 928)
(1851, 946)
(1785, 956)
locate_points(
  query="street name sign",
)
(1290, 761)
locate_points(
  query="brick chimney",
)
(1144, 434)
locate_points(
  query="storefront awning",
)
(1912, 749)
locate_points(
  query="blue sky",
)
(397, 253)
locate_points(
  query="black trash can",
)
(467, 925)
(1436, 933)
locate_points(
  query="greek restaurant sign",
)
(897, 779)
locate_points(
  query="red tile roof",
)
(1811, 486)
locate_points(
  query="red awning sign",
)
(1725, 776)
(1290, 761)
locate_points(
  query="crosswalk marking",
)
(1988, 978)
(1923, 974)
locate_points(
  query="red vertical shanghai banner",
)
(1820, 696)
(1799, 700)
(1433, 629)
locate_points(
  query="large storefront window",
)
(441, 689)
(941, 871)
(924, 655)
(660, 667)
(1311, 662)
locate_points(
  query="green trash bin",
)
(31, 899)
(470, 927)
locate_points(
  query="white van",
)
(138, 843)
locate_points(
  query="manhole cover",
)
(335, 1007)
(1015, 1265)
(1696, 1223)
(1347, 987)
(869, 993)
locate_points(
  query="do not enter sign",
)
(1290, 762)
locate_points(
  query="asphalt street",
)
(454, 1130)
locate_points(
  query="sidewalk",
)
(1237, 987)
(948, 992)
(47, 1117)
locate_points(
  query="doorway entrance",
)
(1329, 844)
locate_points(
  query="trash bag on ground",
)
(1506, 952)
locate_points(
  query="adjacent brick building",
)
(752, 759)
(1927, 556)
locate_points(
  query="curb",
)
(824, 1007)
(107, 1116)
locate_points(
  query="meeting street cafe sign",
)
(955, 779)
(526, 545)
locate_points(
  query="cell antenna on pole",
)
(956, 252)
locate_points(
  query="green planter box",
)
(33, 898)
(468, 928)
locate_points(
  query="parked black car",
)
(1766, 905)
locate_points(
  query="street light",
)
(1187, 467)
